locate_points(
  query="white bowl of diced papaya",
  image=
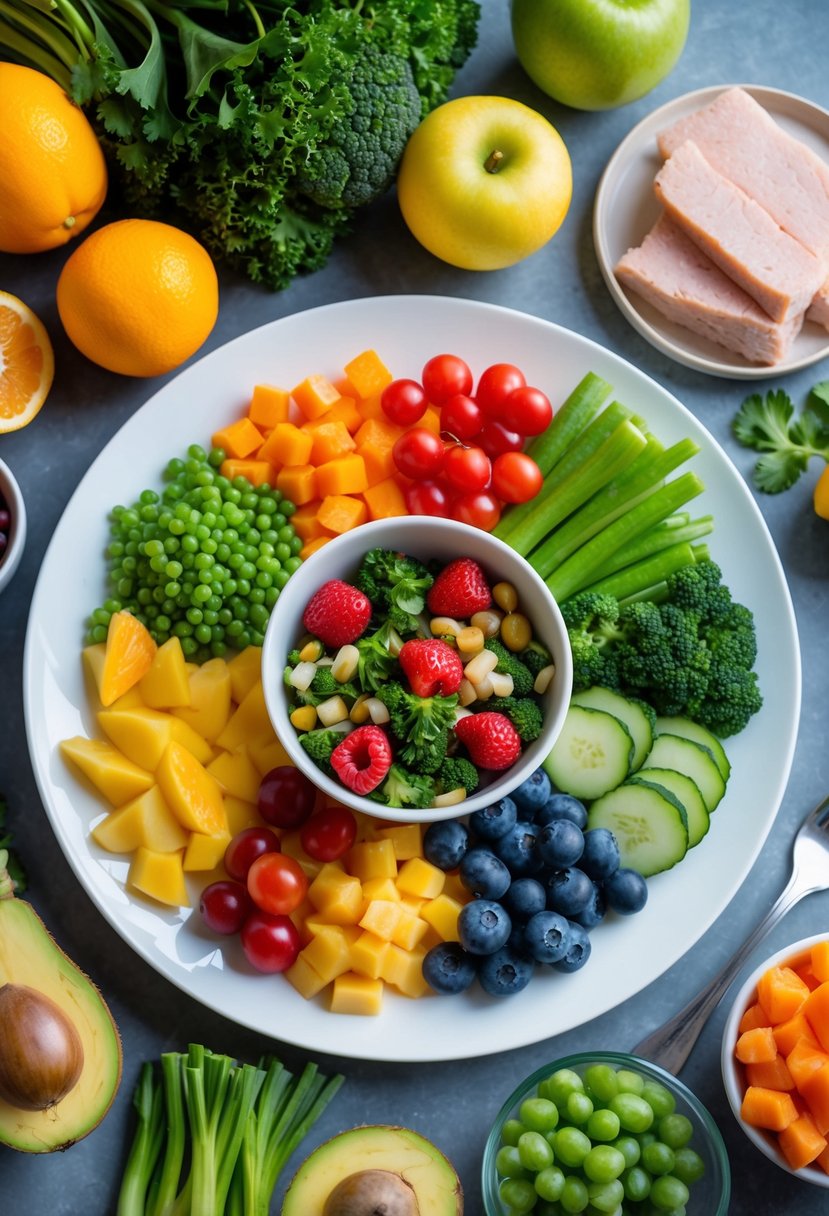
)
(429, 539)
(775, 1058)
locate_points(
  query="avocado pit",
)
(41, 1054)
(372, 1193)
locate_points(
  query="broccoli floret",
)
(405, 788)
(322, 687)
(536, 657)
(396, 585)
(420, 724)
(457, 772)
(733, 697)
(523, 712)
(591, 619)
(358, 160)
(510, 664)
(293, 657)
(319, 744)
(376, 662)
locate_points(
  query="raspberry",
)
(363, 758)
(337, 613)
(490, 738)
(459, 590)
(432, 667)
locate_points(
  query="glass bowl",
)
(11, 494)
(709, 1195)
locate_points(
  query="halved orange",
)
(27, 363)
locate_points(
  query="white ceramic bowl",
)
(10, 491)
(426, 538)
(732, 1069)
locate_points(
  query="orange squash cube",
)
(345, 475)
(298, 482)
(768, 1108)
(257, 472)
(771, 1074)
(341, 512)
(312, 546)
(329, 440)
(286, 445)
(269, 405)
(239, 439)
(315, 395)
(368, 374)
(384, 499)
(801, 1142)
(345, 411)
(756, 1046)
(753, 1017)
(781, 992)
(787, 1034)
(803, 1060)
(306, 522)
(816, 1009)
(820, 961)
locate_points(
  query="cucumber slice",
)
(697, 734)
(687, 792)
(628, 712)
(648, 822)
(591, 755)
(692, 759)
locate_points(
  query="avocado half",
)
(29, 956)
(425, 1173)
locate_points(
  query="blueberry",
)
(595, 911)
(525, 897)
(601, 853)
(532, 793)
(494, 821)
(448, 968)
(445, 843)
(562, 806)
(517, 849)
(626, 891)
(560, 844)
(578, 951)
(548, 936)
(504, 972)
(482, 873)
(517, 940)
(483, 926)
(569, 891)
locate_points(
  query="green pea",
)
(603, 1163)
(634, 1113)
(571, 1146)
(508, 1163)
(668, 1193)
(689, 1167)
(549, 1183)
(534, 1151)
(603, 1125)
(675, 1130)
(574, 1196)
(538, 1114)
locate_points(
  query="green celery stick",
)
(146, 1146)
(636, 578)
(569, 421)
(660, 537)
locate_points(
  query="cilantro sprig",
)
(787, 439)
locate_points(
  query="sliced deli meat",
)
(818, 310)
(737, 234)
(675, 277)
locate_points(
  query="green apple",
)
(598, 54)
(484, 182)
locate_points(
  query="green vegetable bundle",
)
(260, 127)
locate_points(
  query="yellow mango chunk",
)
(359, 994)
(166, 684)
(267, 753)
(192, 794)
(131, 699)
(453, 887)
(409, 930)
(420, 878)
(209, 708)
(406, 839)
(301, 917)
(191, 739)
(117, 778)
(248, 721)
(205, 852)
(245, 670)
(240, 815)
(381, 918)
(141, 734)
(304, 978)
(404, 969)
(160, 876)
(147, 821)
(337, 896)
(380, 888)
(93, 664)
(442, 914)
(372, 859)
(329, 952)
(236, 774)
(368, 955)
(129, 652)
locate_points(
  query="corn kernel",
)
(505, 596)
(450, 797)
(311, 651)
(304, 717)
(544, 678)
(345, 663)
(359, 710)
(302, 675)
(480, 667)
(333, 710)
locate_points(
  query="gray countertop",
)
(748, 41)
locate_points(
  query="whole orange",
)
(53, 177)
(138, 297)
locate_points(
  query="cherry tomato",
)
(467, 469)
(329, 834)
(271, 943)
(461, 417)
(495, 385)
(404, 402)
(225, 906)
(418, 453)
(516, 477)
(481, 510)
(276, 883)
(495, 439)
(528, 410)
(245, 847)
(427, 498)
(286, 797)
(445, 375)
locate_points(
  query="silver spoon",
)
(671, 1045)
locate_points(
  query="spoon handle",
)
(672, 1043)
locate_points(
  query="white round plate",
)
(628, 952)
(626, 209)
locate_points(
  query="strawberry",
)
(337, 613)
(363, 758)
(490, 738)
(459, 590)
(431, 666)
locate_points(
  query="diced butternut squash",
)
(236, 774)
(816, 1009)
(315, 395)
(239, 439)
(345, 410)
(822, 1160)
(329, 440)
(771, 1074)
(287, 444)
(268, 406)
(351, 993)
(117, 778)
(205, 852)
(815, 1090)
(159, 875)
(768, 1108)
(340, 513)
(384, 499)
(345, 475)
(165, 684)
(368, 374)
(245, 669)
(209, 708)
(248, 721)
(313, 546)
(371, 407)
(381, 888)
(129, 653)
(257, 472)
(820, 961)
(787, 1033)
(371, 859)
(756, 1046)
(419, 877)
(781, 992)
(298, 482)
(380, 431)
(801, 1142)
(431, 420)
(306, 522)
(141, 734)
(146, 820)
(753, 1017)
(192, 794)
(803, 1060)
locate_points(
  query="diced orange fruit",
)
(129, 653)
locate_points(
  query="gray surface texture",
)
(755, 41)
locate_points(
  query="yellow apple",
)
(484, 182)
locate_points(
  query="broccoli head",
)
(376, 662)
(591, 620)
(510, 664)
(456, 772)
(358, 160)
(536, 657)
(322, 687)
(396, 585)
(319, 744)
(405, 788)
(421, 725)
(731, 699)
(523, 712)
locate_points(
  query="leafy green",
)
(787, 441)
